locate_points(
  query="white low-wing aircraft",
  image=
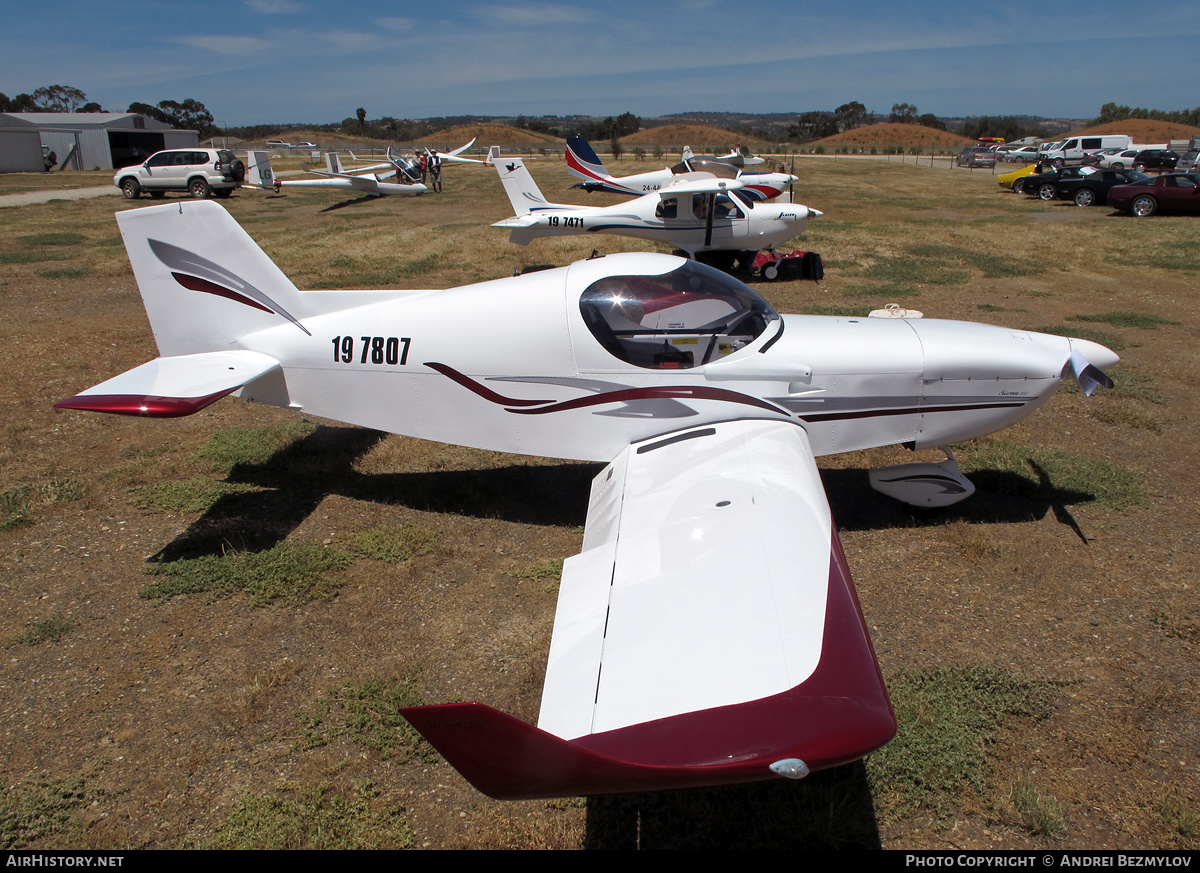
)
(708, 632)
(694, 212)
(584, 163)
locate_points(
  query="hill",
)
(889, 134)
(1143, 130)
(487, 135)
(700, 137)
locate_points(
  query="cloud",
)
(534, 15)
(227, 45)
(275, 7)
(394, 23)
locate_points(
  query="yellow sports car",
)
(1009, 180)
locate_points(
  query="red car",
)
(1176, 192)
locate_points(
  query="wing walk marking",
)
(678, 438)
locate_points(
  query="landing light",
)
(790, 768)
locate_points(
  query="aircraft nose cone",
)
(814, 213)
(1096, 354)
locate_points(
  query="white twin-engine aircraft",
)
(708, 632)
(585, 164)
(694, 212)
(399, 175)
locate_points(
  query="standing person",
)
(435, 170)
(424, 165)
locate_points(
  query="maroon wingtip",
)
(148, 406)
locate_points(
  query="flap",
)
(703, 580)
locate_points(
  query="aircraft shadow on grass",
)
(297, 478)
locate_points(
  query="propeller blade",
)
(1089, 376)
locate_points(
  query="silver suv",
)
(200, 172)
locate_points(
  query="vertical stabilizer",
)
(259, 173)
(518, 184)
(583, 162)
(205, 283)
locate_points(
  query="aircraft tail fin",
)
(522, 191)
(205, 283)
(258, 172)
(332, 163)
(583, 162)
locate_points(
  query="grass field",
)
(208, 623)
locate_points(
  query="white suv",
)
(200, 172)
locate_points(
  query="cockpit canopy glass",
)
(678, 320)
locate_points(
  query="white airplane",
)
(708, 633)
(697, 213)
(399, 175)
(584, 163)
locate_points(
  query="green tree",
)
(931, 120)
(851, 115)
(58, 98)
(812, 125)
(362, 118)
(903, 113)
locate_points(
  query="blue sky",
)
(314, 61)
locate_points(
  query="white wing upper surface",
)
(702, 582)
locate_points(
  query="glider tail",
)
(583, 162)
(259, 173)
(205, 283)
(333, 166)
(522, 191)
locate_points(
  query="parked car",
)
(1155, 159)
(1079, 147)
(1092, 189)
(1043, 185)
(1028, 154)
(278, 144)
(200, 172)
(304, 145)
(1189, 163)
(1015, 179)
(977, 156)
(1120, 159)
(1172, 192)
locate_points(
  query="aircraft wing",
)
(367, 184)
(699, 183)
(454, 156)
(708, 633)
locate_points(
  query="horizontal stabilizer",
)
(173, 387)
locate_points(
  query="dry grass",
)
(182, 714)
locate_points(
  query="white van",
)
(1074, 148)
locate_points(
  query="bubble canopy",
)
(677, 320)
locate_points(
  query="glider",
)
(696, 213)
(399, 175)
(708, 632)
(584, 163)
